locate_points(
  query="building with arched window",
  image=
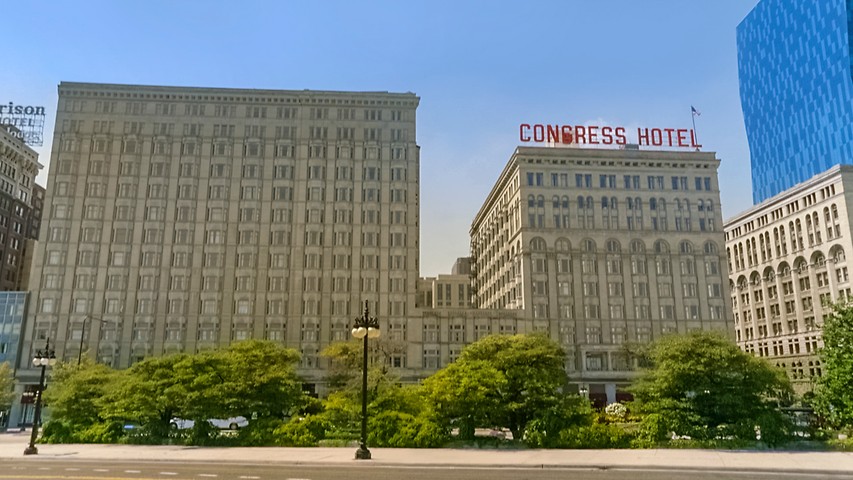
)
(601, 268)
(787, 259)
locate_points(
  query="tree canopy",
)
(6, 382)
(253, 379)
(834, 393)
(500, 381)
(702, 385)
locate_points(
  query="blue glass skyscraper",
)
(796, 89)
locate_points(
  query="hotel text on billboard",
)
(25, 122)
(607, 135)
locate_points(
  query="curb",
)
(451, 465)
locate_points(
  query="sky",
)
(480, 68)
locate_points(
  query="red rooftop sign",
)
(607, 135)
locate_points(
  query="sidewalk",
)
(12, 446)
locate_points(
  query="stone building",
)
(787, 260)
(182, 218)
(602, 249)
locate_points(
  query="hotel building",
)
(787, 262)
(21, 204)
(181, 219)
(601, 249)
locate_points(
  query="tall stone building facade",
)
(788, 262)
(601, 249)
(181, 219)
(21, 201)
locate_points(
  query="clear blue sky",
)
(480, 67)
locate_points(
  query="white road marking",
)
(72, 469)
(101, 470)
(133, 471)
(44, 468)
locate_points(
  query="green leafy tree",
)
(553, 426)
(346, 358)
(834, 393)
(149, 394)
(7, 381)
(465, 394)
(702, 385)
(74, 392)
(258, 379)
(506, 382)
(342, 407)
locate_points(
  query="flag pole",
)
(693, 114)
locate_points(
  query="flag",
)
(694, 111)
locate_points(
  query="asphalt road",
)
(56, 469)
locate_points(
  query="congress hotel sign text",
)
(607, 135)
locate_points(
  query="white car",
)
(233, 423)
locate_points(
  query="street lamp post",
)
(365, 327)
(41, 359)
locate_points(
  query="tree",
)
(345, 360)
(75, 390)
(258, 378)
(251, 379)
(513, 379)
(7, 381)
(702, 385)
(148, 394)
(834, 393)
(342, 407)
(465, 395)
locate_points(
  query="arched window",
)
(710, 248)
(613, 246)
(637, 246)
(588, 245)
(661, 247)
(538, 244)
(685, 247)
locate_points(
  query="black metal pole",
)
(82, 333)
(363, 453)
(31, 449)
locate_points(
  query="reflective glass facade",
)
(12, 309)
(796, 89)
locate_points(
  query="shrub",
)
(302, 432)
(653, 429)
(56, 431)
(597, 435)
(104, 432)
(259, 432)
(398, 429)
